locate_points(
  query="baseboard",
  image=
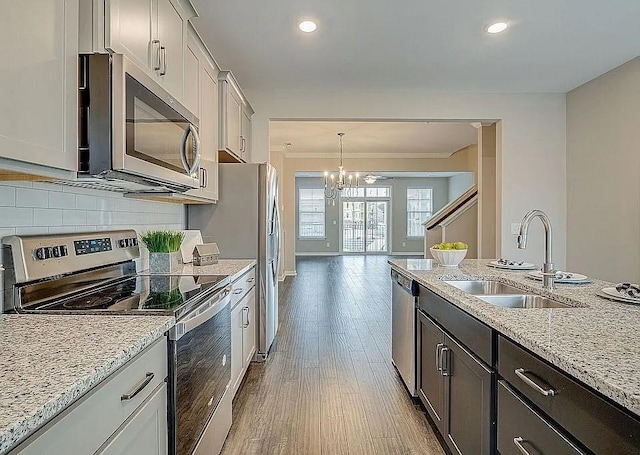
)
(318, 254)
(289, 273)
(407, 253)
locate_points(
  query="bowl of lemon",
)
(449, 254)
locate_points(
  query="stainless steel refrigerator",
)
(245, 223)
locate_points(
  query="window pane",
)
(419, 209)
(311, 212)
(378, 192)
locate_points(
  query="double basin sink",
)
(503, 295)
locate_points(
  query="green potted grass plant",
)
(164, 250)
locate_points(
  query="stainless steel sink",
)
(522, 301)
(484, 287)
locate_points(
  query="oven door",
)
(154, 136)
(200, 344)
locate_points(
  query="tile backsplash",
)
(40, 208)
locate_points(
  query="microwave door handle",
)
(183, 150)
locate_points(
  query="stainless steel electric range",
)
(95, 273)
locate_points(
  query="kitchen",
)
(95, 184)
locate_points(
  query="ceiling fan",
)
(373, 178)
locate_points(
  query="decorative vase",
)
(164, 262)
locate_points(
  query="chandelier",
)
(335, 183)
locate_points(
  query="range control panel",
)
(92, 246)
(34, 257)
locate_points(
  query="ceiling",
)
(550, 46)
(371, 139)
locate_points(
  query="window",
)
(311, 213)
(382, 191)
(369, 192)
(419, 210)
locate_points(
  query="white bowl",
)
(448, 258)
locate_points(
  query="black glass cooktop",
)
(161, 294)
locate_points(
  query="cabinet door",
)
(468, 392)
(430, 379)
(171, 36)
(236, 346)
(233, 121)
(191, 90)
(130, 30)
(249, 333)
(209, 133)
(245, 139)
(145, 432)
(39, 82)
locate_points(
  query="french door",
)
(365, 226)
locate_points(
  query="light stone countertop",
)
(599, 344)
(49, 361)
(230, 267)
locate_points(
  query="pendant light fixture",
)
(336, 182)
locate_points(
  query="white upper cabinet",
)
(150, 32)
(201, 98)
(171, 35)
(235, 120)
(39, 83)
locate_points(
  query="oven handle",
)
(196, 145)
(203, 314)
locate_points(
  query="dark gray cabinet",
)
(521, 428)
(456, 388)
(430, 379)
(468, 398)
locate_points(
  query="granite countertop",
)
(597, 342)
(48, 361)
(229, 267)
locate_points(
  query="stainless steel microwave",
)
(133, 135)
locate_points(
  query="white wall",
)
(460, 183)
(41, 208)
(603, 171)
(531, 143)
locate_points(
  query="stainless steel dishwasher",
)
(403, 328)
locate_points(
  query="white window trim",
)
(406, 204)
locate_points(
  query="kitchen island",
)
(597, 340)
(501, 369)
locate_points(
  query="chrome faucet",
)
(548, 273)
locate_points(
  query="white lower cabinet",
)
(125, 414)
(145, 432)
(243, 329)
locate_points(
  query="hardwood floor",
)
(328, 386)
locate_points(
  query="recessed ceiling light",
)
(307, 26)
(497, 27)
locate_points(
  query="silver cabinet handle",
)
(206, 177)
(438, 351)
(518, 442)
(521, 373)
(238, 291)
(444, 355)
(156, 44)
(145, 382)
(163, 59)
(243, 144)
(245, 310)
(250, 280)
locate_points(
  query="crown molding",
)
(367, 156)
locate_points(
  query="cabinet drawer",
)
(242, 285)
(520, 425)
(468, 330)
(591, 419)
(89, 422)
